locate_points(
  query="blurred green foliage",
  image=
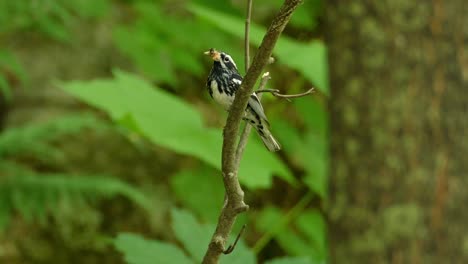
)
(173, 124)
(52, 18)
(34, 194)
(194, 237)
(159, 50)
(35, 139)
(162, 42)
(290, 52)
(205, 206)
(9, 66)
(308, 150)
(305, 236)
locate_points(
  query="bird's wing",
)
(236, 78)
(257, 107)
(234, 83)
(253, 102)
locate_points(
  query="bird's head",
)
(222, 60)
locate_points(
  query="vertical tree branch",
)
(246, 132)
(247, 35)
(234, 204)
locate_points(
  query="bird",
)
(223, 82)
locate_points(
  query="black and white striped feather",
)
(223, 82)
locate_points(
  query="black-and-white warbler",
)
(223, 82)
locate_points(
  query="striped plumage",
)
(223, 82)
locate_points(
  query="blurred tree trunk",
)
(399, 109)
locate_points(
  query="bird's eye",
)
(226, 59)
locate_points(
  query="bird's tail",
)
(256, 117)
(270, 142)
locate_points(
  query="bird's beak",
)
(214, 54)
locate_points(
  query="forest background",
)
(110, 146)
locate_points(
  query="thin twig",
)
(247, 128)
(267, 91)
(247, 35)
(234, 203)
(246, 132)
(263, 82)
(277, 93)
(233, 246)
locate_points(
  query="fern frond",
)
(34, 195)
(32, 138)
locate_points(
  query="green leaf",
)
(252, 172)
(137, 250)
(310, 151)
(290, 260)
(316, 164)
(194, 236)
(207, 181)
(306, 15)
(286, 236)
(314, 152)
(313, 226)
(294, 244)
(191, 234)
(308, 148)
(313, 113)
(268, 218)
(172, 123)
(304, 236)
(308, 58)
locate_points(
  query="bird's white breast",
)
(221, 98)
